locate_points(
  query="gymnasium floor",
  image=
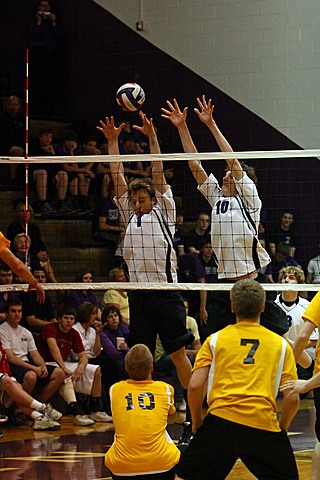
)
(76, 453)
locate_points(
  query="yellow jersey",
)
(312, 313)
(141, 443)
(247, 364)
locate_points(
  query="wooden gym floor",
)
(76, 453)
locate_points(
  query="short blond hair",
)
(290, 270)
(139, 362)
(247, 298)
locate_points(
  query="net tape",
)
(160, 286)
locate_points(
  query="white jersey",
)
(88, 339)
(234, 227)
(294, 317)
(314, 267)
(148, 243)
(19, 340)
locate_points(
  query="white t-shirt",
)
(148, 243)
(294, 317)
(88, 340)
(314, 267)
(234, 227)
(19, 340)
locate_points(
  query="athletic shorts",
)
(220, 315)
(19, 372)
(162, 313)
(219, 443)
(316, 395)
(85, 385)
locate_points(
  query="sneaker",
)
(45, 423)
(47, 209)
(63, 209)
(1, 434)
(52, 412)
(100, 417)
(73, 409)
(181, 406)
(186, 437)
(83, 420)
(3, 418)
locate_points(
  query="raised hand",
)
(147, 127)
(174, 114)
(206, 110)
(109, 130)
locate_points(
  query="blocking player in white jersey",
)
(294, 307)
(234, 220)
(148, 210)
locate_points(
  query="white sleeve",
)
(210, 189)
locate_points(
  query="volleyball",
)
(130, 97)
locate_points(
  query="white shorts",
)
(85, 385)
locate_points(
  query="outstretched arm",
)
(205, 114)
(147, 129)
(111, 132)
(22, 272)
(178, 119)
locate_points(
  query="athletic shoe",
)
(52, 412)
(83, 421)
(181, 406)
(63, 209)
(186, 437)
(20, 419)
(73, 409)
(47, 209)
(45, 423)
(3, 418)
(1, 434)
(100, 417)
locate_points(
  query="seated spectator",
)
(19, 346)
(55, 344)
(102, 170)
(280, 259)
(109, 228)
(209, 262)
(12, 128)
(37, 315)
(313, 268)
(294, 307)
(79, 174)
(21, 244)
(114, 341)
(198, 236)
(36, 246)
(6, 278)
(282, 233)
(75, 298)
(45, 417)
(134, 169)
(136, 429)
(179, 235)
(163, 362)
(117, 297)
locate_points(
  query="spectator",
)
(200, 235)
(114, 341)
(37, 315)
(44, 58)
(208, 260)
(55, 343)
(313, 268)
(179, 235)
(6, 278)
(163, 362)
(75, 298)
(12, 128)
(36, 245)
(283, 233)
(109, 228)
(45, 417)
(117, 297)
(19, 346)
(280, 259)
